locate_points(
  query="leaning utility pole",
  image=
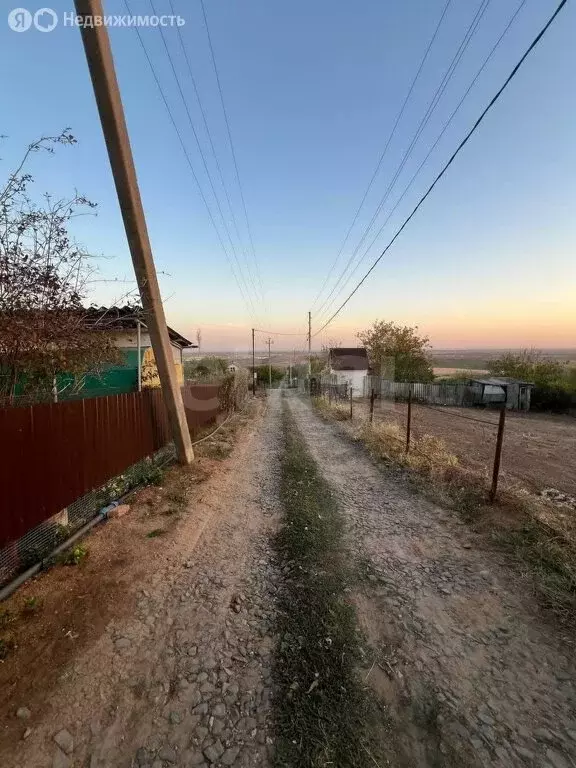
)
(269, 363)
(309, 343)
(253, 368)
(107, 93)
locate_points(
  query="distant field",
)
(477, 359)
(457, 363)
(452, 371)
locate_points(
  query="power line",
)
(213, 148)
(189, 162)
(205, 164)
(232, 149)
(278, 333)
(385, 150)
(464, 141)
(468, 35)
(432, 148)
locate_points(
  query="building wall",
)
(354, 379)
(129, 340)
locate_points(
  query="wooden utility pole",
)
(107, 93)
(309, 343)
(253, 367)
(269, 363)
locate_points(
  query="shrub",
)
(550, 398)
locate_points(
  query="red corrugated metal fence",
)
(53, 454)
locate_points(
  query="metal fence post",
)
(409, 420)
(498, 454)
(372, 396)
(350, 402)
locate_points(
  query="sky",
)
(312, 91)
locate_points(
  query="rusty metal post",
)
(372, 397)
(498, 454)
(351, 402)
(409, 420)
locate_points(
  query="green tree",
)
(530, 365)
(263, 375)
(209, 367)
(398, 351)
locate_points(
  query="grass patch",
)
(334, 410)
(74, 556)
(517, 523)
(215, 449)
(155, 533)
(323, 713)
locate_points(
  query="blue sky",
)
(312, 90)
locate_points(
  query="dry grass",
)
(333, 410)
(538, 536)
(428, 455)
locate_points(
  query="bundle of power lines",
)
(325, 312)
(237, 248)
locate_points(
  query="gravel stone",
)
(214, 752)
(65, 741)
(230, 755)
(168, 754)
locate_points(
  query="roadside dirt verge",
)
(462, 658)
(538, 449)
(155, 651)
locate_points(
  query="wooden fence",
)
(53, 454)
(435, 394)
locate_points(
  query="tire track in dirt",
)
(462, 661)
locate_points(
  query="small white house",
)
(232, 368)
(349, 365)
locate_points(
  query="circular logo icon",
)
(45, 19)
(19, 19)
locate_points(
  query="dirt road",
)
(184, 679)
(465, 668)
(462, 659)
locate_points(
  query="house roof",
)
(349, 359)
(502, 381)
(126, 318)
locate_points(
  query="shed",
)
(498, 390)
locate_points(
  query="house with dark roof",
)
(129, 332)
(349, 365)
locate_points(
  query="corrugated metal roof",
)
(502, 381)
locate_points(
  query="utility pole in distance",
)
(101, 67)
(269, 363)
(253, 367)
